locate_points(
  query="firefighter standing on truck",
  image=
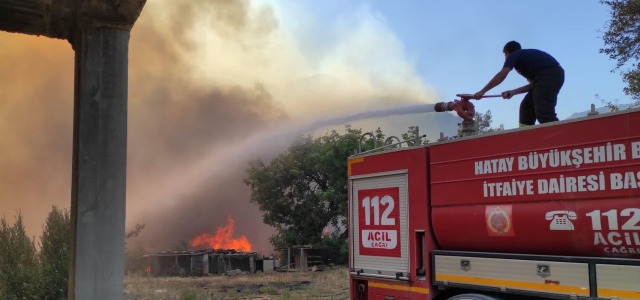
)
(545, 77)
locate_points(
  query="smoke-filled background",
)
(203, 76)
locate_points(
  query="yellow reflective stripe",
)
(398, 287)
(621, 294)
(553, 288)
(353, 161)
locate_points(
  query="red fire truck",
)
(546, 211)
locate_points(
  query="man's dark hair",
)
(511, 47)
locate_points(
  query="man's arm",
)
(522, 89)
(496, 80)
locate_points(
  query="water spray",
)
(403, 110)
(218, 160)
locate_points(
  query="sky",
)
(211, 83)
(456, 45)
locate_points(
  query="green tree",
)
(304, 189)
(19, 265)
(611, 105)
(336, 240)
(484, 122)
(622, 43)
(410, 137)
(55, 255)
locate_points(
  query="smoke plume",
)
(203, 75)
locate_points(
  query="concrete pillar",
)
(99, 164)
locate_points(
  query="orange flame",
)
(223, 239)
(148, 270)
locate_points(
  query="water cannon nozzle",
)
(464, 108)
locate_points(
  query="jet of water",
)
(403, 110)
(219, 160)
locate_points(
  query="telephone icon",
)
(561, 219)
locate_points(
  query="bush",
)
(19, 265)
(55, 255)
(26, 274)
(339, 247)
(134, 261)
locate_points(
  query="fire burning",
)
(222, 239)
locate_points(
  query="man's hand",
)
(507, 95)
(478, 95)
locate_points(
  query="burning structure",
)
(221, 254)
(206, 262)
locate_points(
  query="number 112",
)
(375, 202)
(612, 218)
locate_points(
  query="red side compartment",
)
(565, 189)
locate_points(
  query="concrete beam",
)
(59, 18)
(98, 201)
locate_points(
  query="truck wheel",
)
(472, 297)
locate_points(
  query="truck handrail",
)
(375, 148)
(387, 146)
(362, 136)
(386, 142)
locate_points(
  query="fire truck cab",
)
(546, 211)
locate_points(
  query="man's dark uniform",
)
(546, 76)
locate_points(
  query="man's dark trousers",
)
(540, 102)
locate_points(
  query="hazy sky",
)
(206, 78)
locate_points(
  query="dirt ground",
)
(327, 284)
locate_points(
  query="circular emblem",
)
(498, 221)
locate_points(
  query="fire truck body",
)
(549, 211)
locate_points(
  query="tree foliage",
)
(55, 255)
(412, 138)
(484, 121)
(19, 265)
(304, 189)
(622, 42)
(26, 273)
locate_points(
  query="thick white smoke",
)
(205, 77)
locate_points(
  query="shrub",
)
(19, 265)
(55, 255)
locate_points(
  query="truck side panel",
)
(558, 189)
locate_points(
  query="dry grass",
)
(328, 284)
